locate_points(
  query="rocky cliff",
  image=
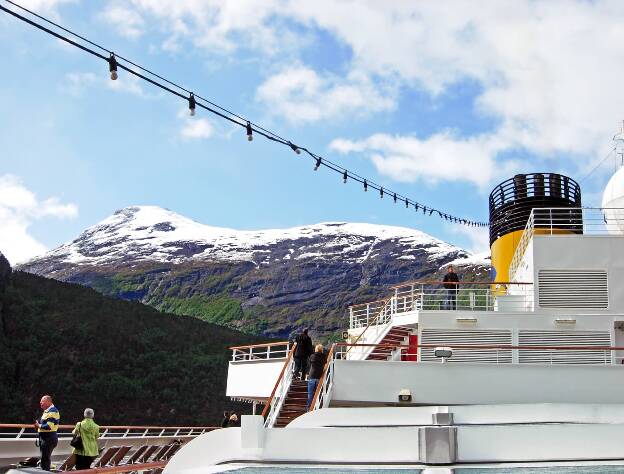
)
(269, 282)
(5, 271)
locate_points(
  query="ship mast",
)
(618, 140)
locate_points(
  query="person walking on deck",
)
(450, 283)
(233, 422)
(303, 350)
(89, 432)
(316, 363)
(225, 420)
(47, 427)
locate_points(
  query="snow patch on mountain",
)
(150, 233)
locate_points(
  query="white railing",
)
(274, 350)
(568, 221)
(19, 431)
(361, 315)
(432, 296)
(279, 396)
(325, 393)
(491, 354)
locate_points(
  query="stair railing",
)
(384, 316)
(280, 390)
(322, 394)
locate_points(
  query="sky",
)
(439, 101)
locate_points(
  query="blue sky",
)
(438, 103)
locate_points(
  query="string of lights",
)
(195, 101)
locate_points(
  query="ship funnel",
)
(511, 203)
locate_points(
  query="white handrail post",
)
(268, 352)
(351, 325)
(367, 313)
(250, 353)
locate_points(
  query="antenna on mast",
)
(618, 139)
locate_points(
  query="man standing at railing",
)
(303, 350)
(47, 426)
(450, 283)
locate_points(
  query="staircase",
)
(394, 337)
(294, 404)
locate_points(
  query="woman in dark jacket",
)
(316, 364)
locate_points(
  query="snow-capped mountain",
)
(161, 258)
(148, 233)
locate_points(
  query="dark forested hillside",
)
(129, 362)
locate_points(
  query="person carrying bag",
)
(84, 442)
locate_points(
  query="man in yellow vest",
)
(47, 426)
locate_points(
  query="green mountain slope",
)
(129, 362)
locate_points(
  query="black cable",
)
(231, 116)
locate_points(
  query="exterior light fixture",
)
(405, 395)
(112, 67)
(192, 105)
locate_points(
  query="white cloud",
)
(550, 81)
(19, 208)
(299, 94)
(128, 22)
(441, 157)
(76, 83)
(127, 83)
(196, 129)
(478, 237)
(43, 6)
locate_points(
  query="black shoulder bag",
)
(76, 441)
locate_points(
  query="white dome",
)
(613, 202)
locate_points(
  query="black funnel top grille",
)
(512, 200)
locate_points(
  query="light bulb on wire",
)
(112, 67)
(295, 148)
(192, 105)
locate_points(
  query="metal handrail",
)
(28, 431)
(436, 282)
(488, 346)
(323, 378)
(370, 323)
(116, 427)
(272, 350)
(123, 468)
(270, 401)
(267, 344)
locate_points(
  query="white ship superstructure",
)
(526, 368)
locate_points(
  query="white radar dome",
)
(613, 203)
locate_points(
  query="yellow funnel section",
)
(503, 250)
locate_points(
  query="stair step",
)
(397, 337)
(401, 329)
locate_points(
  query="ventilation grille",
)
(563, 338)
(451, 337)
(586, 289)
